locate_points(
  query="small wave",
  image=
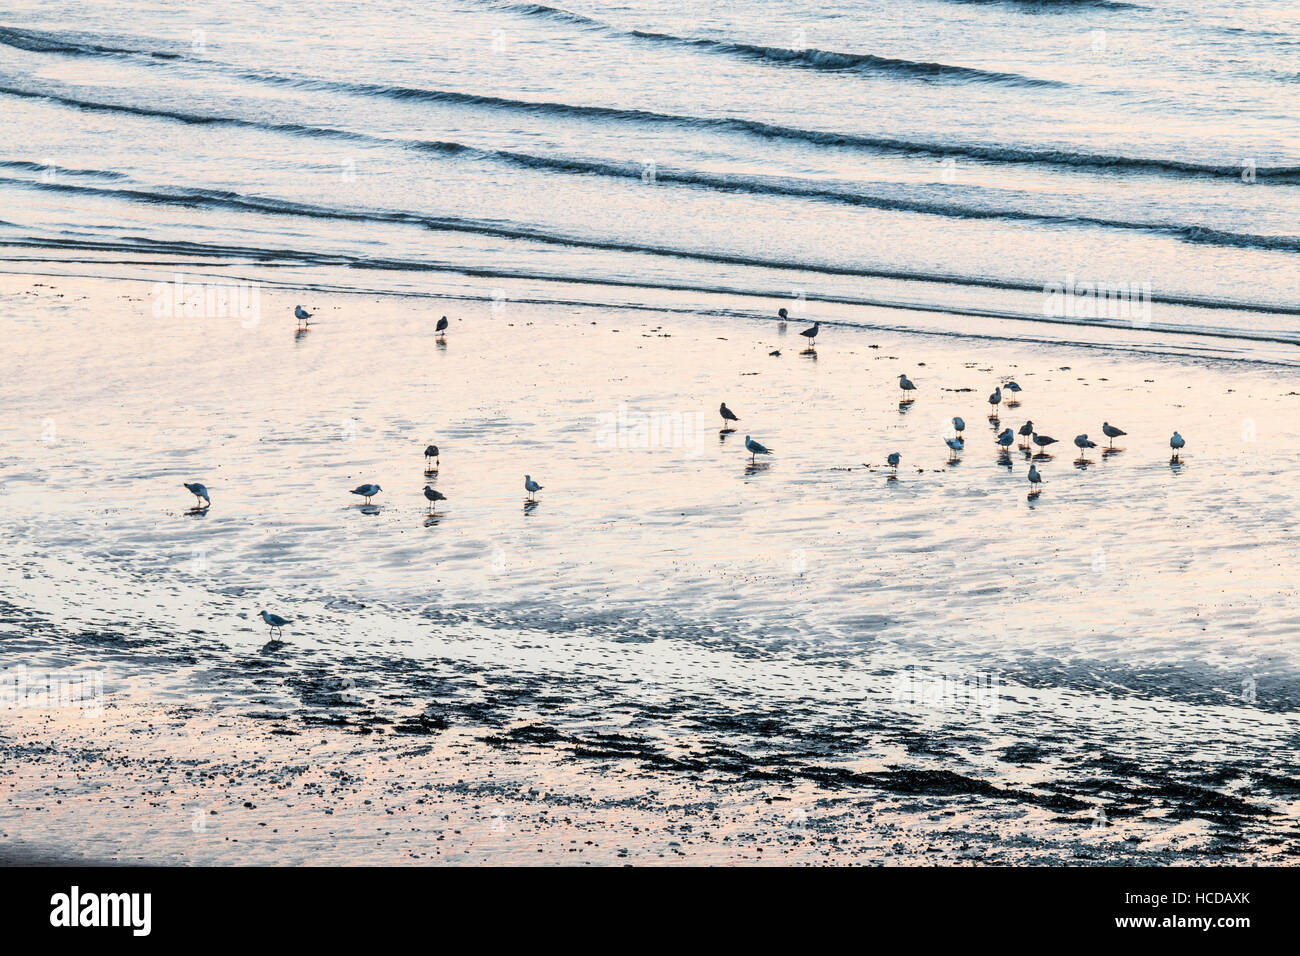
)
(224, 199)
(1056, 6)
(720, 181)
(880, 144)
(40, 41)
(808, 59)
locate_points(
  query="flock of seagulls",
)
(956, 443)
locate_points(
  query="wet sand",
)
(672, 655)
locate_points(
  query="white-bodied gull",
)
(367, 491)
(755, 449)
(198, 491)
(531, 486)
(274, 621)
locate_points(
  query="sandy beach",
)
(672, 656)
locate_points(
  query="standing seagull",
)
(782, 314)
(1042, 441)
(441, 326)
(434, 496)
(956, 444)
(301, 314)
(811, 333)
(1111, 432)
(1011, 386)
(274, 621)
(893, 459)
(431, 452)
(1026, 430)
(958, 425)
(367, 491)
(531, 486)
(1034, 479)
(1177, 443)
(905, 384)
(727, 415)
(1082, 443)
(996, 401)
(199, 491)
(755, 449)
(1005, 439)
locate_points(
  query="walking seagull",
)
(755, 449)
(905, 384)
(958, 425)
(198, 491)
(1026, 430)
(367, 491)
(531, 486)
(1111, 432)
(1035, 479)
(434, 496)
(893, 459)
(441, 326)
(727, 415)
(1177, 443)
(431, 452)
(301, 314)
(274, 621)
(811, 333)
(996, 401)
(1042, 441)
(1082, 443)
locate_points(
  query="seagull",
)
(893, 460)
(531, 486)
(441, 326)
(1082, 443)
(811, 333)
(1011, 386)
(995, 400)
(1034, 478)
(1026, 430)
(1042, 441)
(434, 496)
(301, 314)
(432, 452)
(367, 491)
(274, 621)
(1006, 438)
(905, 384)
(1111, 432)
(727, 415)
(956, 444)
(782, 314)
(755, 449)
(959, 425)
(198, 491)
(1176, 443)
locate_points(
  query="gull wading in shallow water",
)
(1111, 432)
(810, 333)
(1026, 430)
(955, 445)
(1042, 441)
(434, 496)
(1035, 479)
(199, 491)
(367, 491)
(893, 460)
(1177, 443)
(959, 425)
(301, 314)
(755, 449)
(531, 486)
(1006, 438)
(442, 326)
(431, 452)
(274, 621)
(995, 400)
(727, 415)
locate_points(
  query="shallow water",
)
(1137, 607)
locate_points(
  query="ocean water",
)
(816, 151)
(610, 201)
